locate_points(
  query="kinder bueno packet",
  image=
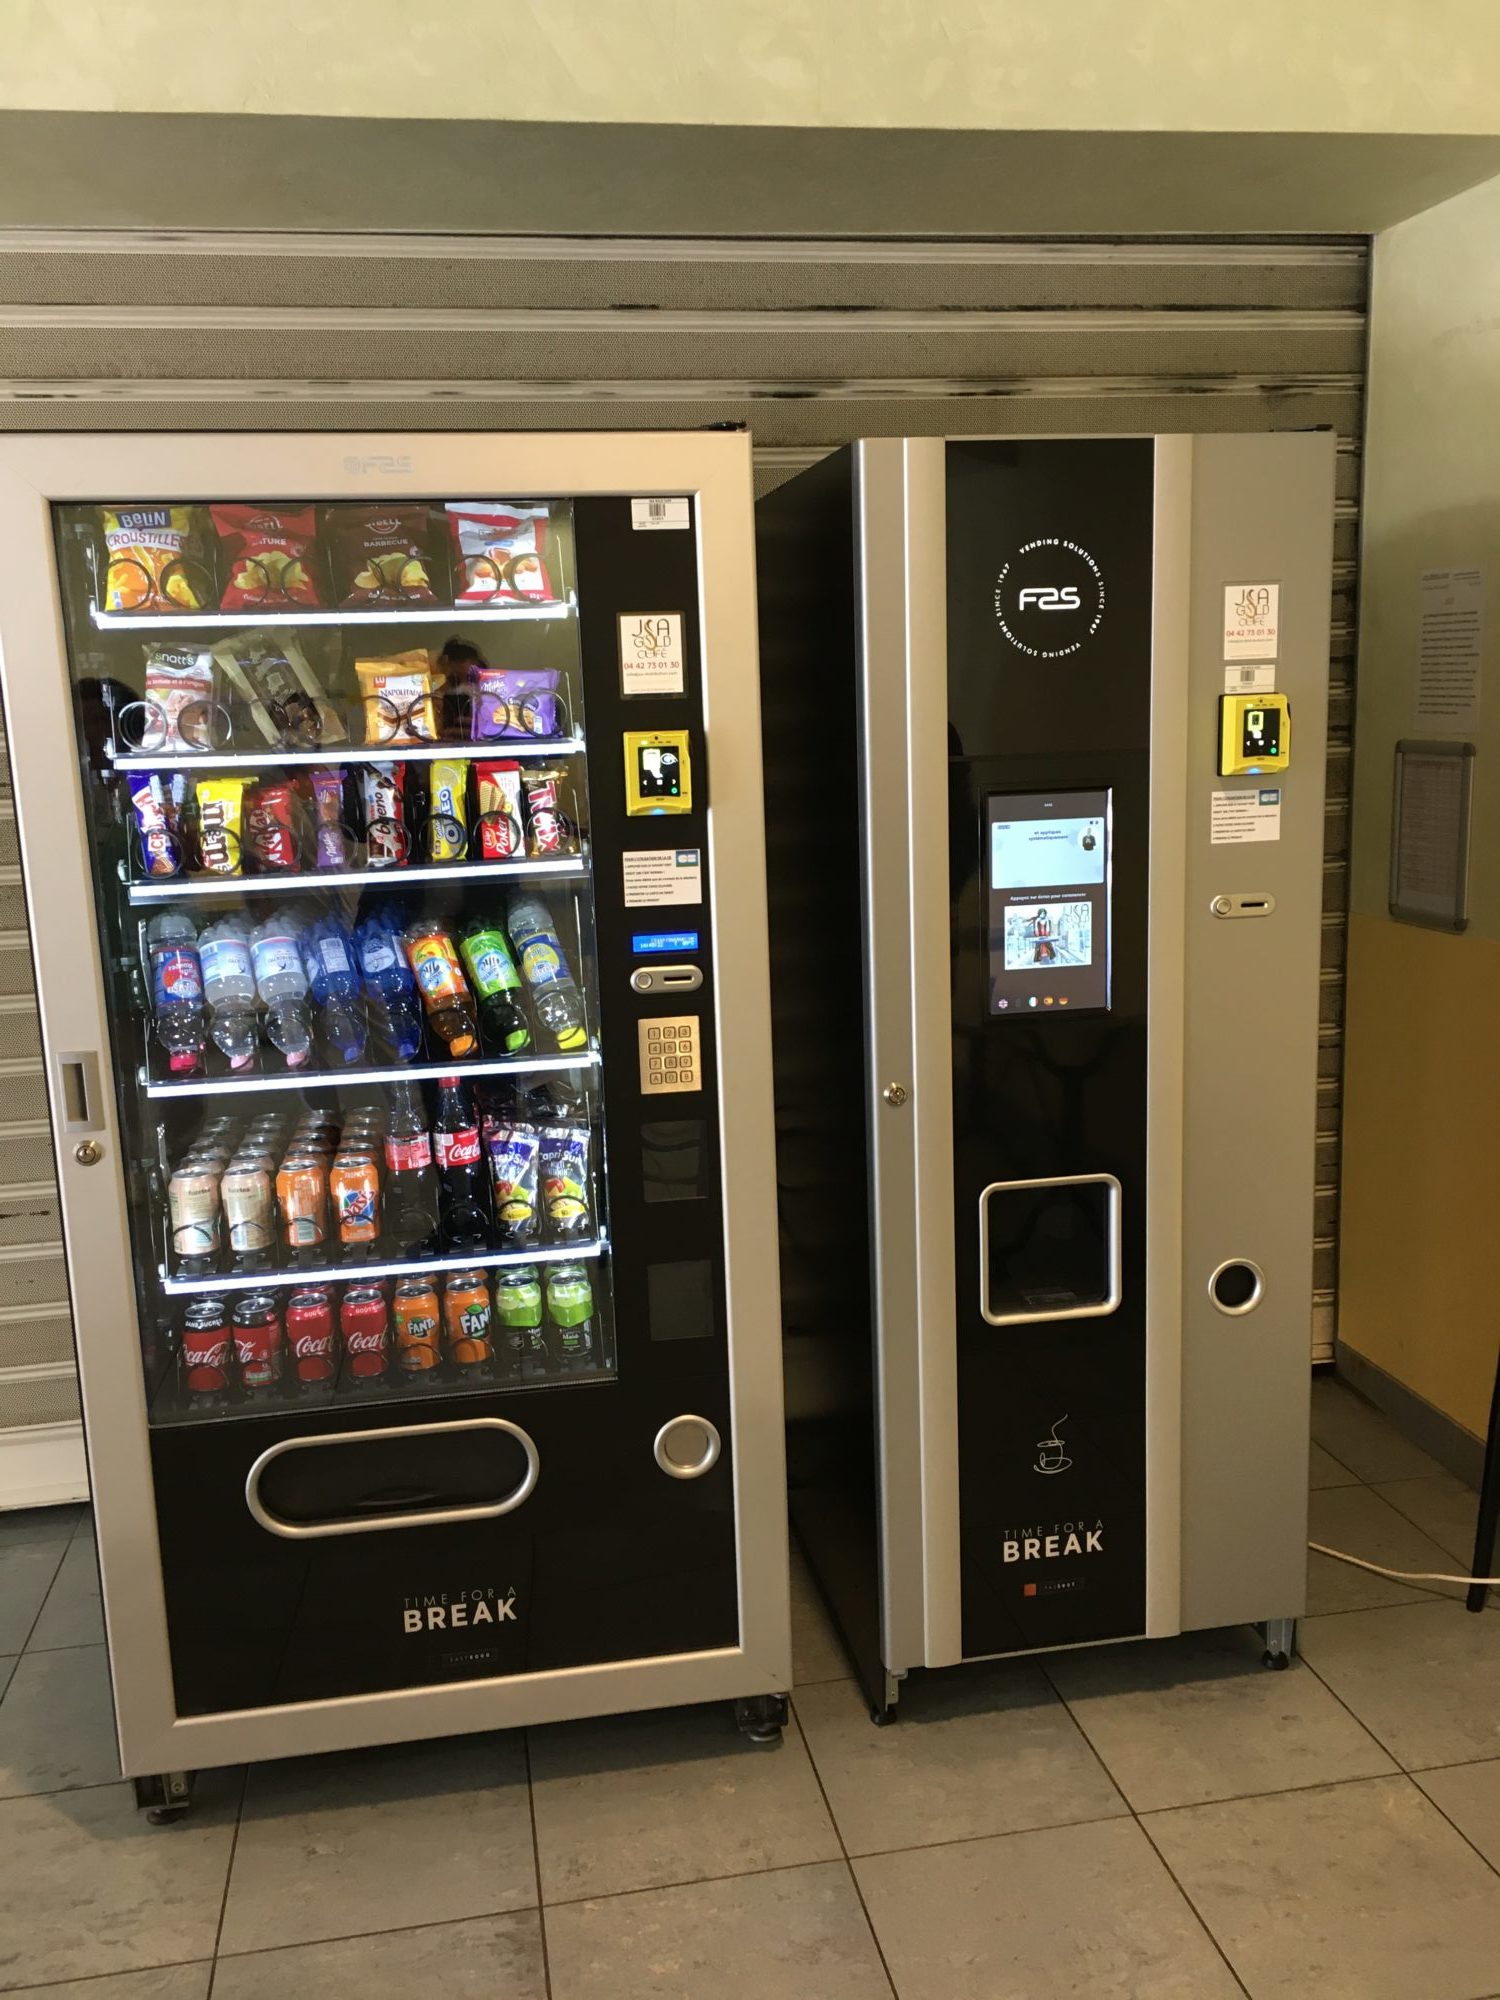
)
(499, 552)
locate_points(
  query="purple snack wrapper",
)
(511, 702)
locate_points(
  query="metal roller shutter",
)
(809, 343)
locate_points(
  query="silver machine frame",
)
(1231, 1177)
(35, 474)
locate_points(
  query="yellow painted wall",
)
(1421, 1176)
(1102, 65)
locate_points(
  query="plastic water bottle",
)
(276, 954)
(555, 999)
(229, 989)
(390, 989)
(328, 960)
(177, 990)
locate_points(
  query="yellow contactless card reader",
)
(1255, 734)
(658, 775)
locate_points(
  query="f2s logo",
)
(1044, 597)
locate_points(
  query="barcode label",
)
(657, 513)
(1249, 676)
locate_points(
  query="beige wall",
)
(1421, 1198)
(1188, 65)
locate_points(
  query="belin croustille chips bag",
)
(155, 560)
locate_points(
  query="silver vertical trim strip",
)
(931, 954)
(886, 816)
(1166, 949)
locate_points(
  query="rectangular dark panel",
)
(1049, 682)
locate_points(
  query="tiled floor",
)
(1139, 1823)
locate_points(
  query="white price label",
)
(1252, 618)
(646, 514)
(658, 875)
(651, 652)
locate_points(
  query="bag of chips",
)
(155, 560)
(382, 555)
(268, 556)
(180, 713)
(499, 549)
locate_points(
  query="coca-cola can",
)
(309, 1335)
(365, 1324)
(259, 1354)
(205, 1349)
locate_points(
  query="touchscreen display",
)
(1047, 866)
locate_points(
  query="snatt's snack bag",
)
(268, 556)
(499, 552)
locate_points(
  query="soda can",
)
(309, 1335)
(246, 1194)
(365, 1327)
(258, 1351)
(418, 1326)
(193, 1208)
(570, 1307)
(206, 1344)
(302, 1196)
(354, 1191)
(468, 1320)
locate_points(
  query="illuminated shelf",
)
(167, 890)
(319, 1079)
(501, 750)
(362, 1274)
(239, 621)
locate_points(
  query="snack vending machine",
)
(1046, 1030)
(395, 865)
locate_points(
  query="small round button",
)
(686, 1447)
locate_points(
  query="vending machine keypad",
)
(669, 1055)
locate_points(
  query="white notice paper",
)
(1252, 619)
(1237, 817)
(657, 875)
(651, 652)
(1448, 648)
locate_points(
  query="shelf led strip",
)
(359, 1274)
(243, 621)
(301, 1079)
(500, 747)
(496, 872)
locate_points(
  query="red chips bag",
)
(268, 553)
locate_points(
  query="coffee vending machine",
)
(1046, 886)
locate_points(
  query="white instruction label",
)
(657, 875)
(660, 514)
(1237, 817)
(1252, 618)
(651, 652)
(1448, 649)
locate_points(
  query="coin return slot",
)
(410, 1475)
(1236, 1287)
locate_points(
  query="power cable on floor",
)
(1401, 1575)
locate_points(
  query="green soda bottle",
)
(497, 986)
(518, 1311)
(570, 1307)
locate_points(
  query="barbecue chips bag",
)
(382, 556)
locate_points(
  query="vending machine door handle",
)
(416, 1517)
(1059, 1300)
(80, 1101)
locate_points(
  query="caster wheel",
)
(761, 1718)
(1277, 1662)
(164, 1799)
